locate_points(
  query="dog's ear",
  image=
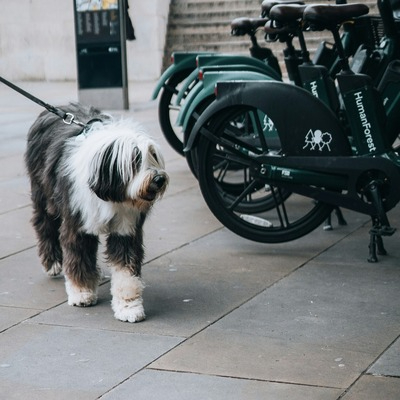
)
(106, 180)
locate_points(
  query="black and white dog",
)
(101, 180)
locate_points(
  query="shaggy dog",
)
(103, 179)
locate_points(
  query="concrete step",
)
(199, 5)
(204, 24)
(210, 16)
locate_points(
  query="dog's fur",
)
(103, 180)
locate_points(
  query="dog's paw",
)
(128, 311)
(83, 299)
(80, 297)
(127, 301)
(54, 270)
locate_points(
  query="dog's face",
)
(129, 168)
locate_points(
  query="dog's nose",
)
(159, 181)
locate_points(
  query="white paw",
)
(128, 311)
(83, 299)
(127, 302)
(80, 297)
(55, 269)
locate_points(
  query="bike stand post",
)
(376, 245)
(380, 224)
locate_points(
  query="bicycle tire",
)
(229, 189)
(287, 217)
(190, 156)
(166, 106)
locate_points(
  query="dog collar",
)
(86, 130)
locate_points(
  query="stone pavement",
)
(226, 318)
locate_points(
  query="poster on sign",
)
(97, 20)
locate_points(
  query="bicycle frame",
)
(248, 170)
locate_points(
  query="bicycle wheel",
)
(168, 111)
(254, 209)
(236, 176)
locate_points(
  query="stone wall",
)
(37, 39)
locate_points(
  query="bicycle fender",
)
(223, 61)
(182, 61)
(185, 88)
(210, 79)
(306, 127)
(197, 90)
(231, 59)
(192, 77)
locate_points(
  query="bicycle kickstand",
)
(375, 243)
(380, 224)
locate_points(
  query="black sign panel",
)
(101, 52)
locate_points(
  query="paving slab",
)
(12, 166)
(388, 363)
(10, 316)
(180, 179)
(197, 283)
(242, 354)
(335, 306)
(185, 294)
(16, 232)
(93, 361)
(177, 220)
(322, 325)
(159, 385)
(354, 249)
(373, 388)
(23, 283)
(13, 194)
(13, 136)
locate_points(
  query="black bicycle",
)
(294, 144)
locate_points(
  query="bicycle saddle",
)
(330, 16)
(287, 13)
(246, 26)
(396, 8)
(266, 5)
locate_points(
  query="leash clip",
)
(70, 118)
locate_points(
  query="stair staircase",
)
(203, 25)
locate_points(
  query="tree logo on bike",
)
(317, 140)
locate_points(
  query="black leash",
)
(67, 118)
